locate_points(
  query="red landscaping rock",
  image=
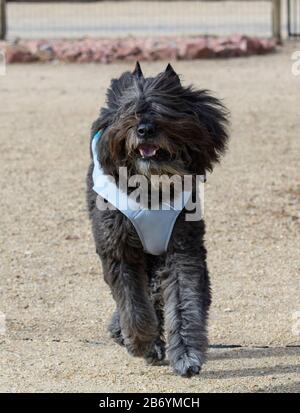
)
(107, 50)
(19, 53)
(197, 48)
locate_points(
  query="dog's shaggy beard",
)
(178, 143)
(167, 162)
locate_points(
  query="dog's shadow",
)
(219, 352)
(240, 352)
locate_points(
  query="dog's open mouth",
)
(147, 150)
(153, 152)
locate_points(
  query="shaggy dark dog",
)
(156, 126)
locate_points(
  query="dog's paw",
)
(156, 354)
(187, 365)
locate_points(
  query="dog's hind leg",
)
(114, 328)
(158, 352)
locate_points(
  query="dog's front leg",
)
(187, 298)
(138, 321)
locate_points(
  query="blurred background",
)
(74, 19)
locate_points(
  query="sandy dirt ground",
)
(140, 18)
(52, 294)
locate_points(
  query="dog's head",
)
(155, 126)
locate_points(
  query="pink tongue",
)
(147, 151)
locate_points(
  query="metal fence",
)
(293, 15)
(60, 19)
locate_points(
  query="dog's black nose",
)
(146, 129)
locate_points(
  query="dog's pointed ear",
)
(138, 71)
(171, 72)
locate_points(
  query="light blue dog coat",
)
(154, 227)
